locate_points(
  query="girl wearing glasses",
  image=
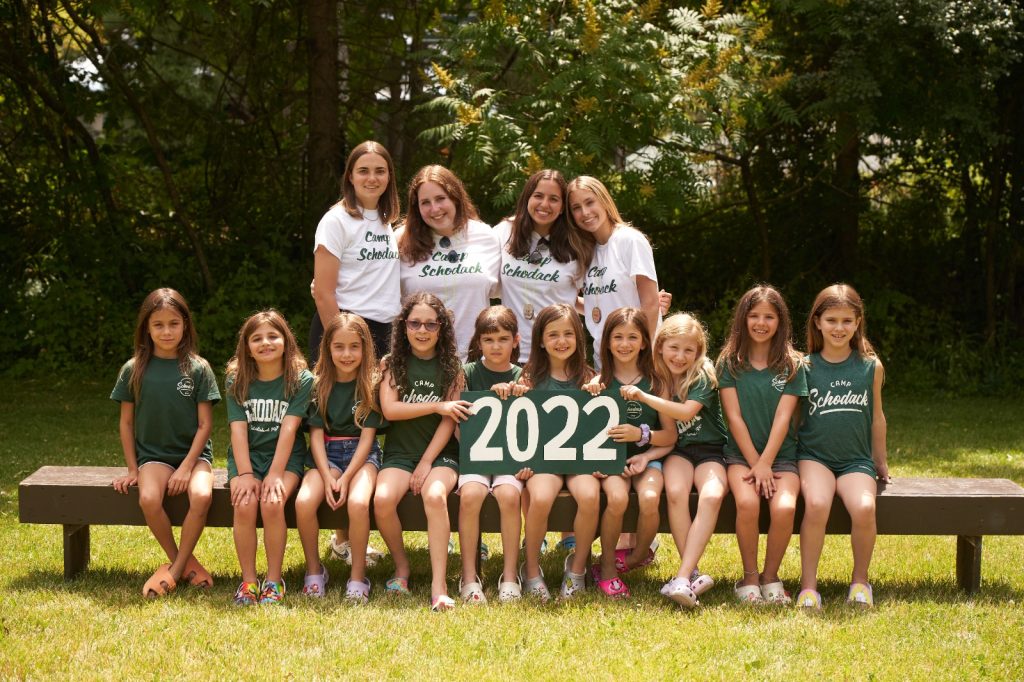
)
(419, 392)
(542, 260)
(446, 251)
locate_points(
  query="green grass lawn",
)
(98, 626)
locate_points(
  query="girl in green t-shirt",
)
(761, 379)
(343, 420)
(841, 446)
(683, 370)
(167, 394)
(419, 391)
(268, 389)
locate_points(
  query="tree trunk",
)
(846, 183)
(323, 157)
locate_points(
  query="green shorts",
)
(171, 461)
(260, 467)
(785, 466)
(854, 466)
(409, 462)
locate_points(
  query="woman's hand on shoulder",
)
(122, 483)
(459, 410)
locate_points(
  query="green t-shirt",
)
(479, 378)
(167, 412)
(553, 384)
(408, 438)
(341, 412)
(264, 409)
(637, 413)
(707, 426)
(759, 392)
(837, 415)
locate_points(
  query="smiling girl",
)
(446, 251)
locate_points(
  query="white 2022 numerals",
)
(554, 450)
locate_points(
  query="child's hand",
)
(630, 393)
(244, 489)
(598, 475)
(273, 489)
(524, 474)
(340, 486)
(593, 387)
(178, 482)
(882, 472)
(625, 433)
(763, 478)
(419, 475)
(518, 389)
(456, 409)
(635, 465)
(122, 483)
(504, 389)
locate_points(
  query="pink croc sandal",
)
(614, 588)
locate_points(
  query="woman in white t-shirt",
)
(542, 258)
(621, 271)
(355, 254)
(446, 251)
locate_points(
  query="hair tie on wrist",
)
(645, 435)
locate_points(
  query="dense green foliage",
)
(795, 141)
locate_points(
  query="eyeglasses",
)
(536, 256)
(415, 325)
(453, 255)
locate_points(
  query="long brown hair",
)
(397, 361)
(538, 367)
(564, 243)
(416, 242)
(242, 370)
(387, 205)
(492, 320)
(644, 360)
(325, 374)
(188, 347)
(838, 296)
(782, 357)
(689, 327)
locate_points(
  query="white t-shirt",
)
(527, 288)
(610, 281)
(465, 285)
(368, 276)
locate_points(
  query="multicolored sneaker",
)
(247, 594)
(272, 592)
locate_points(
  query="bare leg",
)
(712, 484)
(748, 508)
(471, 498)
(818, 487)
(275, 529)
(244, 531)
(858, 491)
(307, 502)
(543, 489)
(678, 481)
(152, 488)
(200, 495)
(616, 490)
(392, 485)
(783, 510)
(508, 505)
(586, 490)
(436, 487)
(360, 490)
(648, 487)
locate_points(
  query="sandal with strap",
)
(614, 588)
(860, 595)
(316, 585)
(809, 600)
(472, 593)
(397, 585)
(160, 584)
(700, 582)
(775, 593)
(442, 602)
(572, 583)
(357, 591)
(681, 592)
(748, 594)
(196, 575)
(509, 591)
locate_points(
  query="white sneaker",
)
(343, 552)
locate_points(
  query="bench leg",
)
(76, 550)
(968, 563)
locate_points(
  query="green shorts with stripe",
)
(171, 461)
(409, 462)
(854, 466)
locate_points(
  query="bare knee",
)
(817, 505)
(648, 500)
(748, 506)
(435, 500)
(588, 500)
(199, 501)
(358, 506)
(507, 496)
(271, 510)
(151, 500)
(862, 511)
(616, 502)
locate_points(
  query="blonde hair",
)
(689, 327)
(604, 197)
(242, 370)
(325, 374)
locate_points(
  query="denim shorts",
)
(340, 453)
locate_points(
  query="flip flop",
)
(161, 583)
(196, 575)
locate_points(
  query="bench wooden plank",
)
(77, 497)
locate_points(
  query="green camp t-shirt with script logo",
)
(759, 392)
(707, 426)
(838, 412)
(264, 409)
(167, 411)
(341, 413)
(408, 438)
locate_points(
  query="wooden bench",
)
(969, 508)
